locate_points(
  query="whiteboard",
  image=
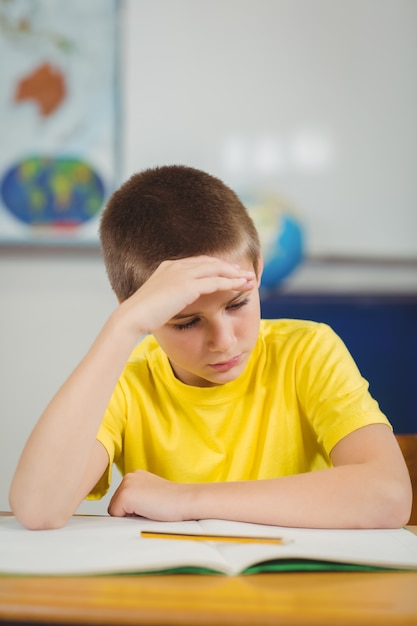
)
(313, 99)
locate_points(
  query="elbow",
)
(33, 520)
(34, 516)
(403, 505)
(395, 504)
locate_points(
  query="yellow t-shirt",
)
(300, 394)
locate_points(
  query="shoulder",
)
(293, 330)
(312, 352)
(146, 348)
(307, 340)
(146, 358)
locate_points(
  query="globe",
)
(281, 235)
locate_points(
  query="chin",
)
(227, 377)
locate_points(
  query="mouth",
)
(227, 365)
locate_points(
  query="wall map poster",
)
(57, 119)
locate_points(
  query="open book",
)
(91, 545)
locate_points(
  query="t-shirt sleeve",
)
(334, 395)
(110, 435)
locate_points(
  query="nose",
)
(221, 336)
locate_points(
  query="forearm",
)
(343, 497)
(56, 456)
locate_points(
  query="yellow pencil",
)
(152, 534)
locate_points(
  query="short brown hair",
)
(171, 212)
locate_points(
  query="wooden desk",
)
(322, 598)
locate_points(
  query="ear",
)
(259, 268)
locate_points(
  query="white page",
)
(94, 544)
(396, 548)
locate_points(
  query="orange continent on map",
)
(45, 85)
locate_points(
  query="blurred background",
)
(307, 108)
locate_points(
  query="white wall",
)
(342, 70)
(313, 98)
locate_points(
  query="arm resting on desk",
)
(369, 487)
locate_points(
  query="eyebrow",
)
(182, 316)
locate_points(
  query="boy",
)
(215, 413)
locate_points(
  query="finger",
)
(117, 505)
(228, 270)
(206, 265)
(212, 284)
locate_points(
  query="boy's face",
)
(210, 341)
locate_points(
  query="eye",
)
(187, 325)
(238, 305)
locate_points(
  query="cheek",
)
(250, 324)
(178, 344)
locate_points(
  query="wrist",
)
(199, 501)
(126, 320)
